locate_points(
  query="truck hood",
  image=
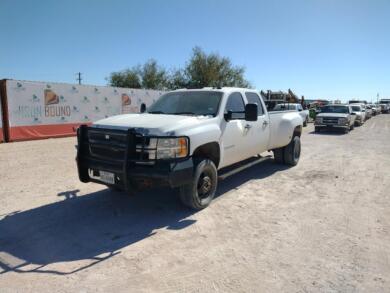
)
(152, 124)
(338, 115)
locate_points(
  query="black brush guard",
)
(115, 151)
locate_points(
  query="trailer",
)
(272, 98)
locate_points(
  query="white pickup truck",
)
(295, 107)
(385, 105)
(187, 140)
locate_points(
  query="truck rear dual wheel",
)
(289, 154)
(200, 192)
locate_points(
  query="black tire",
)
(351, 127)
(292, 152)
(317, 129)
(305, 122)
(200, 192)
(279, 155)
(346, 130)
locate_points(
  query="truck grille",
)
(330, 120)
(111, 145)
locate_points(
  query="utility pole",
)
(79, 79)
(377, 98)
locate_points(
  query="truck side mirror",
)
(228, 115)
(251, 112)
(142, 108)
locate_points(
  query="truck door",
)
(234, 139)
(259, 131)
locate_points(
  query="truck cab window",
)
(235, 103)
(254, 98)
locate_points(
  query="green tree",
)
(201, 70)
(177, 79)
(153, 76)
(127, 78)
(213, 70)
(148, 76)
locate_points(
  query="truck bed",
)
(280, 127)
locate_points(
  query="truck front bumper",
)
(332, 126)
(137, 177)
(129, 173)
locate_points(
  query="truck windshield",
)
(334, 109)
(187, 103)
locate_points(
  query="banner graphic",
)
(41, 110)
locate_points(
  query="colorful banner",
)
(41, 110)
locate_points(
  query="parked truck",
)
(335, 116)
(304, 113)
(385, 105)
(360, 114)
(188, 139)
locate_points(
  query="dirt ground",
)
(322, 226)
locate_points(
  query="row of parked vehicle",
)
(346, 116)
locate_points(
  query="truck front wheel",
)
(200, 192)
(292, 151)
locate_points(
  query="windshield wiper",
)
(156, 112)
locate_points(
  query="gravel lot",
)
(323, 226)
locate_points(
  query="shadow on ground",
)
(96, 226)
(329, 132)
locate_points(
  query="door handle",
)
(247, 126)
(265, 123)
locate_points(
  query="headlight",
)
(171, 148)
(343, 120)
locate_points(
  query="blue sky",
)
(318, 48)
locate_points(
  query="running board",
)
(235, 169)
